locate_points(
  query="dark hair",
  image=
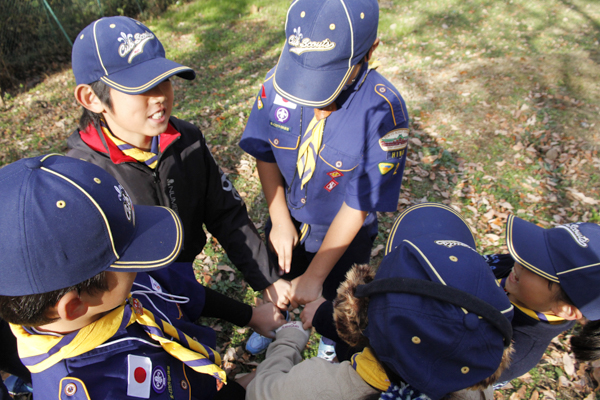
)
(31, 310)
(586, 343)
(561, 295)
(102, 91)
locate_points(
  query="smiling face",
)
(135, 119)
(530, 290)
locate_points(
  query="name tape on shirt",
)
(280, 101)
(394, 140)
(279, 126)
(139, 376)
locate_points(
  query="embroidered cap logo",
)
(127, 203)
(133, 44)
(573, 230)
(301, 45)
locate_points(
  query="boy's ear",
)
(567, 311)
(71, 307)
(372, 49)
(84, 94)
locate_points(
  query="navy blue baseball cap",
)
(437, 316)
(567, 254)
(124, 54)
(325, 40)
(64, 220)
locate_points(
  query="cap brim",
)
(427, 219)
(142, 77)
(308, 87)
(527, 245)
(157, 241)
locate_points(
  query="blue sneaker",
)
(326, 349)
(258, 343)
(16, 385)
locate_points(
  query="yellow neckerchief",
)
(550, 318)
(370, 370)
(40, 352)
(309, 150)
(150, 158)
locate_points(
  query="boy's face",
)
(530, 290)
(136, 118)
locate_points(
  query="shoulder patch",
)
(396, 139)
(72, 389)
(385, 167)
(393, 99)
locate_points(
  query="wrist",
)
(293, 325)
(316, 273)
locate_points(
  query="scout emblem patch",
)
(335, 174)
(394, 140)
(159, 379)
(282, 115)
(259, 103)
(384, 167)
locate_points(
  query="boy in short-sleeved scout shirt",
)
(358, 158)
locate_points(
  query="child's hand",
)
(265, 319)
(282, 239)
(305, 289)
(278, 293)
(309, 311)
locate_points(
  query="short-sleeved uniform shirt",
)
(362, 154)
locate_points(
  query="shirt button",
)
(338, 164)
(184, 385)
(276, 141)
(70, 389)
(303, 200)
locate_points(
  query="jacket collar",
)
(97, 141)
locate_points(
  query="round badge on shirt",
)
(282, 115)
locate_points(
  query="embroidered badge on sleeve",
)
(384, 167)
(394, 140)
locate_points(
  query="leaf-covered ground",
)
(504, 105)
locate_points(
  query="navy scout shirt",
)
(362, 155)
(131, 364)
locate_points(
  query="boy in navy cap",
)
(552, 278)
(126, 128)
(433, 320)
(329, 136)
(87, 285)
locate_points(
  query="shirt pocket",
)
(335, 169)
(285, 149)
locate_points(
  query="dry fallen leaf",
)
(376, 250)
(568, 364)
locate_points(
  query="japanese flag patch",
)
(280, 101)
(394, 140)
(139, 376)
